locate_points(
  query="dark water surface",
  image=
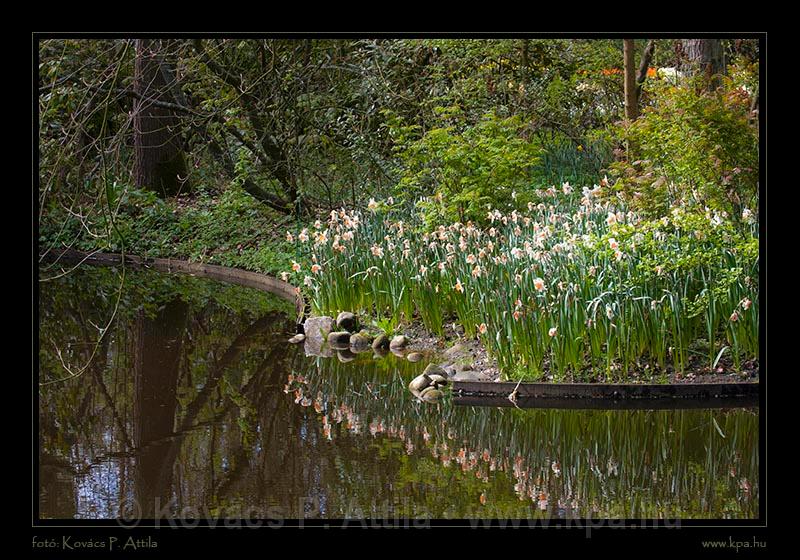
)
(194, 406)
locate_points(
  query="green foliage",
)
(468, 171)
(692, 147)
(231, 229)
(387, 325)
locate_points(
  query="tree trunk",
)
(159, 162)
(703, 57)
(631, 92)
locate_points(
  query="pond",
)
(194, 406)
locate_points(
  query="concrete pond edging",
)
(607, 395)
(238, 276)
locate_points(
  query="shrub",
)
(467, 171)
(692, 147)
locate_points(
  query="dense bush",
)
(691, 147)
(468, 171)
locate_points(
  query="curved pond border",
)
(238, 276)
(483, 393)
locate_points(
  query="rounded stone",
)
(468, 376)
(297, 339)
(438, 380)
(419, 383)
(359, 343)
(455, 350)
(347, 321)
(400, 341)
(434, 369)
(381, 341)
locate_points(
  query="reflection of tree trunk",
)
(167, 448)
(258, 390)
(158, 343)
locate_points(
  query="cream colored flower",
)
(553, 331)
(538, 283)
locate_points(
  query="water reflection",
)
(195, 406)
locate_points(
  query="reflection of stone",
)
(345, 355)
(380, 353)
(317, 329)
(431, 395)
(339, 339)
(316, 347)
(414, 357)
